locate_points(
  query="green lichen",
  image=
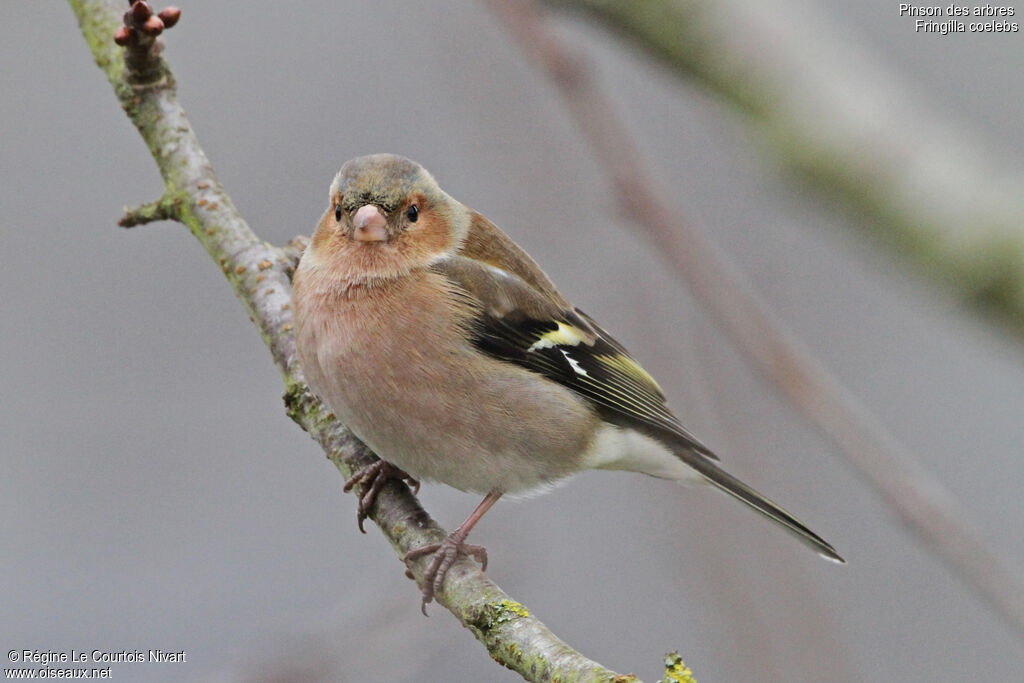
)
(505, 611)
(515, 652)
(303, 408)
(676, 671)
(98, 29)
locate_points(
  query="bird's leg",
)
(372, 478)
(449, 549)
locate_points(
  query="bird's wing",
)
(487, 243)
(518, 324)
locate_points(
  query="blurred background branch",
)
(852, 129)
(926, 507)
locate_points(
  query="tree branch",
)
(844, 124)
(167, 208)
(260, 274)
(926, 508)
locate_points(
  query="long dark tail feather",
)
(737, 489)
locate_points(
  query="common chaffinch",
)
(448, 351)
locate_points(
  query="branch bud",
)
(170, 16)
(123, 36)
(141, 11)
(153, 26)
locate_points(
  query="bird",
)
(446, 349)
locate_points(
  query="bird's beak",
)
(370, 225)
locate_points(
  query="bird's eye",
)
(412, 213)
(337, 212)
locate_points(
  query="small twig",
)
(164, 209)
(926, 507)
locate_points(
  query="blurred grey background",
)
(155, 496)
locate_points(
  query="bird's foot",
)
(372, 479)
(445, 553)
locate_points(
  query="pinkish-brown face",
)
(387, 216)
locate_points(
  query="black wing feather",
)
(601, 372)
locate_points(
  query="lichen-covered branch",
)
(260, 276)
(926, 507)
(843, 122)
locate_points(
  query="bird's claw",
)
(372, 479)
(445, 553)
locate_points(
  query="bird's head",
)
(387, 216)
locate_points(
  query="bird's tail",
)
(737, 489)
